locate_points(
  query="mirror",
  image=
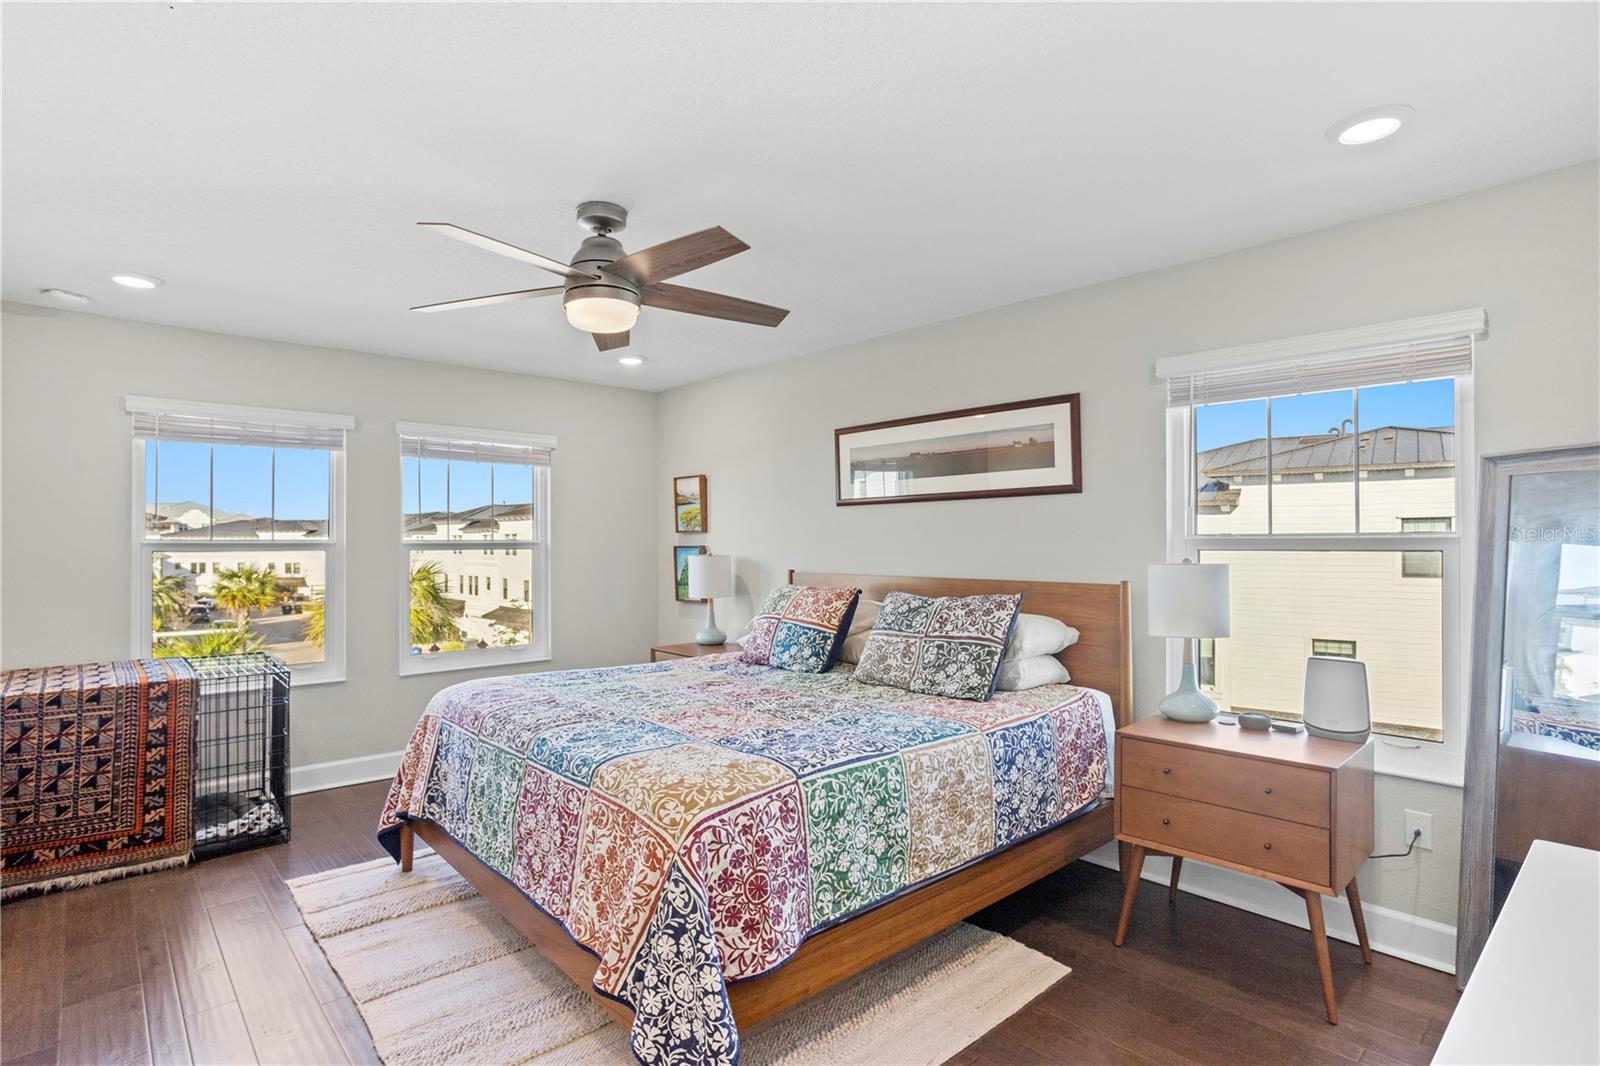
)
(1533, 736)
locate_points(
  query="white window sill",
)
(453, 661)
(296, 681)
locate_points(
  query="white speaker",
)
(1337, 703)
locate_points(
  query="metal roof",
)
(1385, 447)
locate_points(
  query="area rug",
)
(440, 977)
(94, 772)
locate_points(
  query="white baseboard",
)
(1405, 936)
(317, 776)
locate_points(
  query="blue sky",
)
(1420, 404)
(244, 480)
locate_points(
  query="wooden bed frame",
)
(1100, 659)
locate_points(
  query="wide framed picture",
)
(689, 503)
(1026, 448)
(680, 570)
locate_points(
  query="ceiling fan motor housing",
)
(594, 255)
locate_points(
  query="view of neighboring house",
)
(1383, 607)
(489, 590)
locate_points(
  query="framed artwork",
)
(680, 570)
(1026, 448)
(689, 503)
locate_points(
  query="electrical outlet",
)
(1418, 820)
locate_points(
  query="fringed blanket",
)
(94, 772)
(692, 822)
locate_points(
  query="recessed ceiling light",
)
(137, 281)
(1369, 126)
(66, 296)
(631, 360)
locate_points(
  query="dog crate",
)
(241, 753)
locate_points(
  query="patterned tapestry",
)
(690, 822)
(94, 779)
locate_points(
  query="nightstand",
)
(688, 651)
(1293, 808)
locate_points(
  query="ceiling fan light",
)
(601, 314)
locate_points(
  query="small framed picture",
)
(1026, 448)
(680, 570)
(689, 503)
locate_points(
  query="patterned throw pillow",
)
(949, 646)
(800, 628)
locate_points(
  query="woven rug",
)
(440, 977)
(94, 772)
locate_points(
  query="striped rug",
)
(440, 977)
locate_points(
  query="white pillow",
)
(860, 627)
(1019, 675)
(1038, 634)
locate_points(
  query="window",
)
(1330, 477)
(460, 486)
(218, 492)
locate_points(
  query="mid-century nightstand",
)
(1293, 808)
(688, 651)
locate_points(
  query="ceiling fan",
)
(605, 287)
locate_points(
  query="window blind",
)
(418, 441)
(1414, 350)
(180, 420)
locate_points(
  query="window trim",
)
(1442, 762)
(538, 556)
(332, 668)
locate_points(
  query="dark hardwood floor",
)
(212, 964)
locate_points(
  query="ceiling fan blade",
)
(607, 341)
(489, 244)
(712, 305)
(497, 298)
(678, 256)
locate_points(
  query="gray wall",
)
(1525, 251)
(65, 526)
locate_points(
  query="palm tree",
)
(430, 611)
(246, 588)
(235, 641)
(316, 621)
(169, 596)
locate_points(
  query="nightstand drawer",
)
(1268, 844)
(1293, 793)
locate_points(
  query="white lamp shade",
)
(1337, 700)
(710, 576)
(1189, 600)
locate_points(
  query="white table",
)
(1534, 996)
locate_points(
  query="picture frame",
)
(689, 503)
(1022, 448)
(680, 571)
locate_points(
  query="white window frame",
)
(539, 651)
(332, 668)
(1443, 761)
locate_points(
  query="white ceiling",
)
(890, 165)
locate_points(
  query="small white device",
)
(1337, 703)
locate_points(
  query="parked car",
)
(200, 614)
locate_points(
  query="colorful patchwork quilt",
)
(691, 822)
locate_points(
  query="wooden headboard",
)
(1103, 656)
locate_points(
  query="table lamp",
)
(710, 577)
(1189, 600)
(1337, 703)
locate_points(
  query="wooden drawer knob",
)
(1268, 846)
(1166, 821)
(1166, 769)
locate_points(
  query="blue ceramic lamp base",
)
(1187, 703)
(711, 634)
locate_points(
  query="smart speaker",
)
(1337, 704)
